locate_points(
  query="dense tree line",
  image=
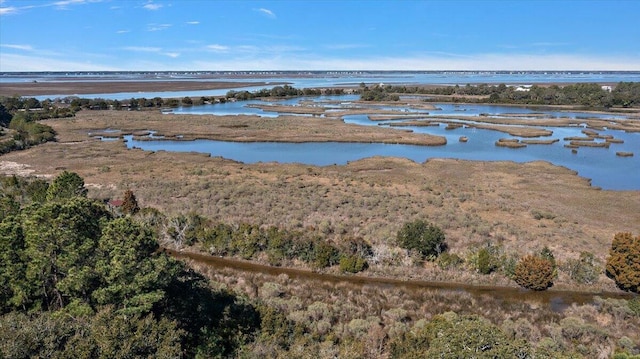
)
(280, 246)
(624, 94)
(19, 128)
(77, 281)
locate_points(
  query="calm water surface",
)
(601, 165)
(327, 80)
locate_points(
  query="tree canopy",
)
(623, 263)
(423, 237)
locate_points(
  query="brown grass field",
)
(474, 202)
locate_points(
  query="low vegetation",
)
(95, 279)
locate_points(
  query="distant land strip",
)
(99, 87)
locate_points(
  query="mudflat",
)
(93, 87)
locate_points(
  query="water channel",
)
(556, 300)
(601, 165)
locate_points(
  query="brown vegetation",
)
(473, 202)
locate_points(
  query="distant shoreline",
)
(91, 87)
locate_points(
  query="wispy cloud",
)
(13, 62)
(193, 22)
(218, 48)
(8, 10)
(17, 47)
(152, 50)
(142, 49)
(266, 12)
(60, 5)
(122, 31)
(345, 46)
(158, 27)
(152, 6)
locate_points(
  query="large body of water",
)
(320, 79)
(601, 165)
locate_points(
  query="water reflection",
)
(556, 300)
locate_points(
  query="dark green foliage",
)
(216, 323)
(5, 116)
(26, 133)
(488, 259)
(60, 243)
(98, 287)
(378, 93)
(623, 263)
(66, 185)
(105, 335)
(12, 268)
(131, 276)
(534, 272)
(130, 203)
(275, 327)
(592, 95)
(353, 264)
(422, 237)
(325, 255)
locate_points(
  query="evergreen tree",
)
(130, 203)
(66, 185)
(623, 263)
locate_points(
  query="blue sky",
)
(184, 35)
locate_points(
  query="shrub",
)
(488, 259)
(534, 273)
(584, 270)
(623, 263)
(325, 255)
(353, 264)
(634, 305)
(425, 238)
(449, 260)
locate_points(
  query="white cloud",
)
(61, 5)
(8, 10)
(193, 22)
(142, 49)
(14, 63)
(68, 2)
(153, 7)
(266, 12)
(158, 27)
(18, 47)
(122, 31)
(172, 55)
(345, 46)
(218, 48)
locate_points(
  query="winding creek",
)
(556, 300)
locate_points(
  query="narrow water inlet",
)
(555, 300)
